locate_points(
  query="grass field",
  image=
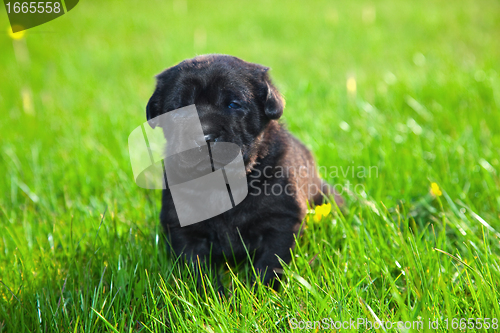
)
(410, 89)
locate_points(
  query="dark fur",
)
(266, 224)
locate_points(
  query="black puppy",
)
(237, 102)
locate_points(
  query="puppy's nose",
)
(210, 137)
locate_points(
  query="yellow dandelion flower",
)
(322, 211)
(16, 35)
(327, 208)
(435, 190)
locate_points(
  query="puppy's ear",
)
(153, 109)
(275, 103)
(156, 105)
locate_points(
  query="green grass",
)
(80, 245)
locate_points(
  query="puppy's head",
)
(235, 99)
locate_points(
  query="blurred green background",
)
(412, 88)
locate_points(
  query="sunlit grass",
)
(412, 90)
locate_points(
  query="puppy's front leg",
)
(275, 245)
(195, 248)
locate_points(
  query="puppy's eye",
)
(234, 105)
